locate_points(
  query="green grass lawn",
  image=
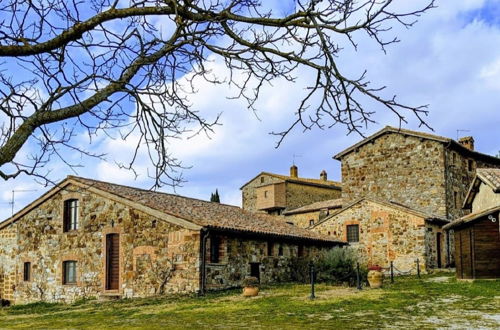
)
(435, 301)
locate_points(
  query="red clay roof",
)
(206, 214)
(490, 176)
(307, 181)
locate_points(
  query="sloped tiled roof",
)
(308, 181)
(328, 204)
(198, 212)
(490, 176)
(427, 136)
(473, 217)
(391, 204)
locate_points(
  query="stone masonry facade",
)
(387, 234)
(293, 195)
(150, 249)
(155, 256)
(399, 168)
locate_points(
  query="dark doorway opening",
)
(112, 261)
(438, 247)
(255, 270)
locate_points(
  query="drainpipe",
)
(203, 252)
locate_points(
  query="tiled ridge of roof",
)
(328, 204)
(321, 182)
(424, 135)
(492, 176)
(204, 213)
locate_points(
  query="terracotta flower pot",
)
(250, 291)
(375, 278)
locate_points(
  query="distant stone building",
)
(424, 173)
(275, 193)
(87, 238)
(309, 215)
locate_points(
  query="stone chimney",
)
(467, 141)
(294, 171)
(323, 176)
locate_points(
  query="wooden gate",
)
(112, 261)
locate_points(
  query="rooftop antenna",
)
(461, 130)
(12, 203)
(295, 156)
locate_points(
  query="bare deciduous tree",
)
(72, 66)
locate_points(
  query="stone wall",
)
(303, 219)
(8, 251)
(485, 198)
(237, 255)
(249, 192)
(394, 167)
(298, 195)
(149, 249)
(385, 234)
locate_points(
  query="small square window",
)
(353, 233)
(70, 221)
(261, 179)
(311, 222)
(265, 194)
(27, 272)
(69, 272)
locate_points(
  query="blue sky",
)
(449, 60)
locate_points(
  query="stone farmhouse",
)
(399, 187)
(274, 193)
(477, 235)
(87, 238)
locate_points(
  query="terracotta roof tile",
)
(491, 176)
(299, 180)
(328, 204)
(206, 214)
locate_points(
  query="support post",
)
(418, 268)
(312, 274)
(358, 278)
(392, 272)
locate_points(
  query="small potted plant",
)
(375, 276)
(251, 286)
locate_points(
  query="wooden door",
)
(466, 253)
(112, 261)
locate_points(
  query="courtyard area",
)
(435, 301)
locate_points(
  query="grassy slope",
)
(409, 303)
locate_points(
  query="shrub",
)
(336, 266)
(251, 282)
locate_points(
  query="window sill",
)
(70, 284)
